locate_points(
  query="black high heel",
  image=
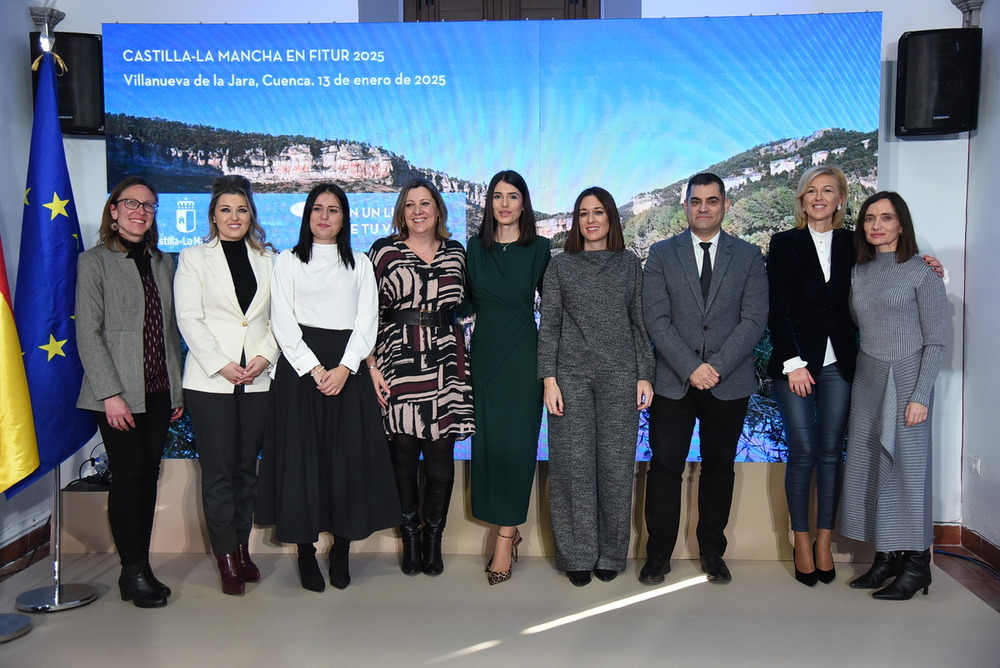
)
(808, 579)
(496, 577)
(826, 577)
(915, 574)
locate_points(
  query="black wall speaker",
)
(81, 88)
(937, 81)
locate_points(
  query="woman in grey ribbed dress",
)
(597, 366)
(899, 304)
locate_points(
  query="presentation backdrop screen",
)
(634, 106)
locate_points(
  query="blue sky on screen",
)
(631, 105)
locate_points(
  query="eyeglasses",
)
(133, 204)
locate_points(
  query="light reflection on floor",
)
(576, 617)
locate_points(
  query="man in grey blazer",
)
(705, 308)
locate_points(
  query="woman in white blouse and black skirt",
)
(326, 461)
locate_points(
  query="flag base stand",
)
(13, 626)
(56, 598)
(59, 596)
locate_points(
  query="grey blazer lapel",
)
(685, 256)
(723, 256)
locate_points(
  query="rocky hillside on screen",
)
(760, 183)
(179, 157)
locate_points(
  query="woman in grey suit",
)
(597, 367)
(130, 352)
(223, 290)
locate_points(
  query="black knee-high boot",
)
(340, 573)
(309, 574)
(437, 497)
(915, 574)
(409, 498)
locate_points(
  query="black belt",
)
(411, 316)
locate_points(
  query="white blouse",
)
(324, 294)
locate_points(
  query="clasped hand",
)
(238, 375)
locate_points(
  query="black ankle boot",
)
(437, 498)
(915, 575)
(162, 588)
(309, 574)
(135, 586)
(885, 566)
(409, 499)
(340, 573)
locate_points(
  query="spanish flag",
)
(18, 450)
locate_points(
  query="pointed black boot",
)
(135, 586)
(409, 530)
(914, 576)
(309, 574)
(886, 566)
(340, 572)
(437, 498)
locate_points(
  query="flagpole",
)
(59, 596)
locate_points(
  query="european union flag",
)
(46, 289)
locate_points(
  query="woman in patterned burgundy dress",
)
(419, 368)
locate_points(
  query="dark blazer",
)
(686, 331)
(110, 309)
(806, 309)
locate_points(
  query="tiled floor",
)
(968, 574)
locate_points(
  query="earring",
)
(114, 226)
(839, 207)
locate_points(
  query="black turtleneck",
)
(239, 266)
(134, 250)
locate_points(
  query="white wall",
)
(931, 174)
(981, 505)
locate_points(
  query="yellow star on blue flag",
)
(53, 348)
(57, 206)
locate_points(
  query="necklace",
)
(505, 245)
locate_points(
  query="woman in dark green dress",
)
(505, 267)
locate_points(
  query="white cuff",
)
(793, 364)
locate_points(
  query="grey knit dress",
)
(900, 311)
(592, 340)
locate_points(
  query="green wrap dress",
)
(508, 395)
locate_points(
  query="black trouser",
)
(671, 424)
(229, 432)
(134, 456)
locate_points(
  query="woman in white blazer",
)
(222, 291)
